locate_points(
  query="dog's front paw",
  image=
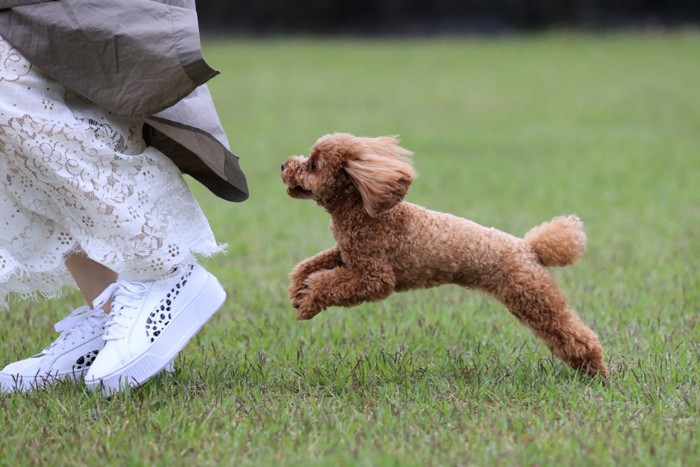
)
(298, 296)
(306, 305)
(296, 289)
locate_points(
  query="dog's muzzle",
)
(290, 171)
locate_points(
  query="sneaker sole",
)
(22, 383)
(18, 383)
(172, 340)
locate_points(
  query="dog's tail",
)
(559, 242)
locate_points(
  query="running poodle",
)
(385, 244)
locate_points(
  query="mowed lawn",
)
(507, 132)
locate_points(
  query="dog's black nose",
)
(284, 164)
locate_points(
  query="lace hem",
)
(20, 284)
(75, 177)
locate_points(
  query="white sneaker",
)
(150, 323)
(69, 356)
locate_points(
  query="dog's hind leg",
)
(537, 301)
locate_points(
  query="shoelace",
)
(124, 295)
(79, 323)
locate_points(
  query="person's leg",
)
(86, 180)
(150, 323)
(91, 277)
(32, 245)
(72, 353)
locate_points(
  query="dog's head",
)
(377, 171)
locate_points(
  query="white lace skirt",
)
(76, 178)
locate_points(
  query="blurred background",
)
(431, 17)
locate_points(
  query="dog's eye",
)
(314, 166)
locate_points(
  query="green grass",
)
(508, 133)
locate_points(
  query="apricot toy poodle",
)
(385, 244)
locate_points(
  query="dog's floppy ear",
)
(381, 171)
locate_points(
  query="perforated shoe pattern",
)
(161, 316)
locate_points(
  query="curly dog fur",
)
(385, 244)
